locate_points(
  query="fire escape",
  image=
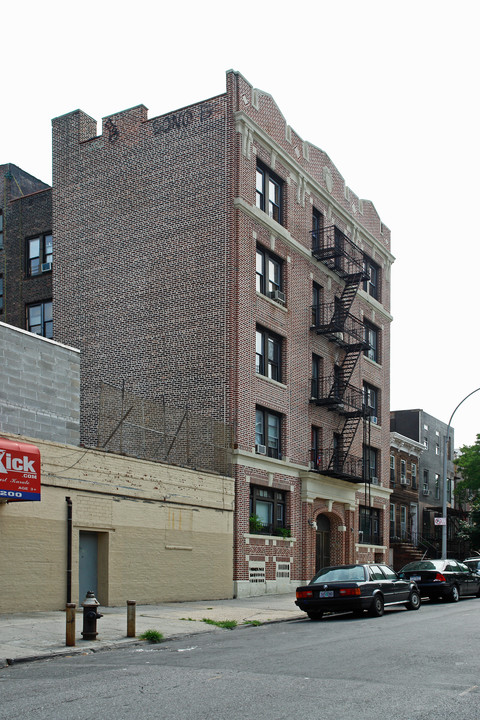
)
(335, 321)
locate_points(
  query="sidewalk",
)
(31, 636)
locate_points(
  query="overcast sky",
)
(389, 90)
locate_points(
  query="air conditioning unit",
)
(426, 491)
(278, 296)
(374, 419)
(46, 267)
(403, 480)
(261, 449)
(374, 480)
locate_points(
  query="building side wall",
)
(165, 533)
(140, 218)
(40, 389)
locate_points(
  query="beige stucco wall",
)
(165, 533)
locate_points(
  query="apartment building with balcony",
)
(26, 251)
(212, 258)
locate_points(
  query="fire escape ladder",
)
(340, 455)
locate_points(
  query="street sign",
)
(19, 471)
(440, 521)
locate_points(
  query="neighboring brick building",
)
(430, 433)
(404, 516)
(25, 251)
(210, 257)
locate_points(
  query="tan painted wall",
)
(165, 533)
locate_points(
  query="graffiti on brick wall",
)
(181, 120)
(112, 130)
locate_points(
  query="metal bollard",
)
(131, 609)
(70, 625)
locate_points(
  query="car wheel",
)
(478, 593)
(376, 608)
(315, 615)
(414, 601)
(454, 595)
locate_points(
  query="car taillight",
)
(439, 578)
(350, 591)
(304, 594)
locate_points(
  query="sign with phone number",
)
(19, 471)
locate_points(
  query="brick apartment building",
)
(211, 258)
(25, 251)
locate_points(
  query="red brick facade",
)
(156, 236)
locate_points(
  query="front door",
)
(322, 554)
(88, 564)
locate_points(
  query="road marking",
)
(465, 692)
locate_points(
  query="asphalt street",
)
(422, 665)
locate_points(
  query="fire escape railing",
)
(335, 321)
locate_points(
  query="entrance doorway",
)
(88, 564)
(322, 547)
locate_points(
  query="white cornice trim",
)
(251, 131)
(274, 228)
(400, 442)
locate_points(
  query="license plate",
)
(415, 577)
(325, 593)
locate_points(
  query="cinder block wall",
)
(39, 388)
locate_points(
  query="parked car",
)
(356, 588)
(447, 579)
(473, 564)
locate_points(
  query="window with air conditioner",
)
(370, 398)
(268, 432)
(39, 254)
(269, 275)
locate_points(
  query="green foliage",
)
(255, 623)
(256, 524)
(227, 624)
(469, 465)
(283, 532)
(152, 636)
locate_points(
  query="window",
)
(317, 228)
(425, 483)
(392, 469)
(317, 295)
(369, 525)
(414, 476)
(1, 293)
(370, 461)
(316, 451)
(437, 486)
(268, 505)
(372, 335)
(1, 229)
(267, 433)
(425, 442)
(269, 193)
(317, 365)
(268, 354)
(372, 285)
(40, 319)
(39, 254)
(403, 472)
(370, 401)
(269, 275)
(392, 520)
(437, 448)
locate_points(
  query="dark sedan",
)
(356, 588)
(446, 579)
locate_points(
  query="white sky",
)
(389, 90)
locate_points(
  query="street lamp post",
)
(444, 505)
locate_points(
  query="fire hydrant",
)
(90, 616)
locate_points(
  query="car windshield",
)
(424, 565)
(351, 573)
